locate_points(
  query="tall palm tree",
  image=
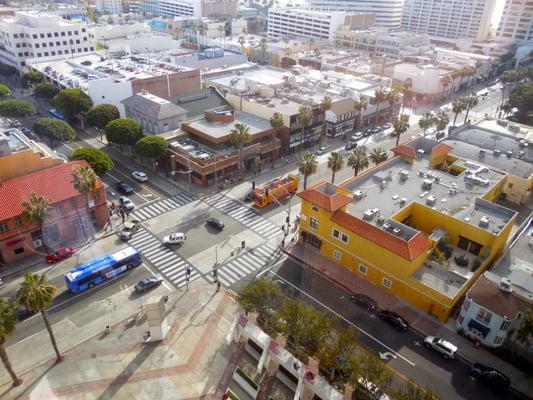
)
(240, 138)
(393, 97)
(311, 43)
(427, 121)
(8, 320)
(276, 122)
(400, 125)
(445, 81)
(358, 160)
(84, 181)
(458, 106)
(304, 118)
(325, 105)
(379, 95)
(241, 42)
(335, 164)
(263, 47)
(220, 31)
(359, 106)
(36, 209)
(202, 30)
(307, 165)
(378, 155)
(456, 74)
(470, 101)
(36, 294)
(442, 120)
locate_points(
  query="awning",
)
(476, 326)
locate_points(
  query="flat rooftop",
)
(222, 129)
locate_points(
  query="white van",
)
(175, 238)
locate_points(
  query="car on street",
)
(368, 132)
(388, 125)
(350, 145)
(490, 376)
(445, 348)
(60, 254)
(215, 223)
(126, 203)
(124, 188)
(129, 228)
(139, 176)
(483, 93)
(356, 136)
(364, 301)
(148, 283)
(320, 151)
(377, 129)
(23, 313)
(249, 196)
(174, 238)
(394, 319)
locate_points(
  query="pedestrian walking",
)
(218, 286)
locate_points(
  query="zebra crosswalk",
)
(169, 264)
(162, 206)
(244, 214)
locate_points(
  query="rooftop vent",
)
(368, 215)
(497, 153)
(505, 285)
(484, 221)
(386, 226)
(509, 154)
(404, 175)
(420, 153)
(403, 200)
(358, 194)
(482, 152)
(426, 184)
(396, 231)
(431, 200)
(521, 154)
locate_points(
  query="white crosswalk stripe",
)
(169, 264)
(244, 214)
(246, 263)
(152, 210)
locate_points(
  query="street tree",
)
(470, 102)
(335, 163)
(325, 105)
(380, 95)
(45, 90)
(446, 81)
(400, 124)
(307, 165)
(240, 138)
(458, 106)
(525, 329)
(8, 321)
(54, 128)
(99, 160)
(36, 294)
(36, 209)
(8, 70)
(521, 98)
(14, 108)
(360, 105)
(412, 391)
(124, 131)
(4, 91)
(335, 352)
(442, 121)
(276, 122)
(101, 115)
(152, 147)
(427, 121)
(358, 160)
(31, 78)
(71, 102)
(263, 47)
(370, 372)
(263, 296)
(378, 155)
(304, 118)
(84, 180)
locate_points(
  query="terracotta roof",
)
(53, 183)
(404, 150)
(440, 150)
(485, 293)
(331, 203)
(406, 249)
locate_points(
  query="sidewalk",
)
(421, 322)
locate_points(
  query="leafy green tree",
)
(335, 163)
(400, 125)
(4, 91)
(124, 131)
(521, 98)
(276, 122)
(442, 120)
(307, 165)
(153, 147)
(370, 372)
(72, 101)
(31, 78)
(304, 118)
(240, 138)
(99, 160)
(45, 90)
(37, 294)
(264, 297)
(8, 70)
(101, 115)
(412, 391)
(458, 106)
(378, 155)
(15, 108)
(358, 160)
(54, 128)
(335, 353)
(8, 320)
(427, 121)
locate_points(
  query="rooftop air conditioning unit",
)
(521, 154)
(383, 184)
(509, 154)
(37, 243)
(420, 153)
(396, 231)
(497, 153)
(358, 194)
(505, 285)
(484, 221)
(482, 152)
(431, 200)
(404, 175)
(426, 184)
(403, 200)
(386, 226)
(368, 215)
(380, 220)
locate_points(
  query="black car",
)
(368, 132)
(364, 301)
(23, 313)
(377, 129)
(490, 376)
(215, 223)
(148, 283)
(394, 319)
(350, 145)
(124, 188)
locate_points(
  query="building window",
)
(484, 316)
(58, 43)
(313, 223)
(3, 227)
(19, 250)
(56, 34)
(48, 34)
(46, 54)
(505, 325)
(510, 185)
(37, 45)
(362, 269)
(344, 237)
(387, 283)
(336, 234)
(315, 209)
(498, 340)
(336, 254)
(41, 35)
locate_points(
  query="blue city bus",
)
(56, 114)
(96, 271)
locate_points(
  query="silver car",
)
(442, 346)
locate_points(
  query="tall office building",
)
(517, 21)
(388, 12)
(453, 19)
(113, 7)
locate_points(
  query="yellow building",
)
(423, 224)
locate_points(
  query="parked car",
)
(377, 129)
(60, 254)
(490, 376)
(126, 203)
(148, 283)
(320, 151)
(394, 319)
(124, 188)
(350, 145)
(175, 238)
(215, 223)
(388, 125)
(249, 196)
(129, 229)
(442, 346)
(23, 313)
(356, 136)
(364, 301)
(368, 132)
(139, 176)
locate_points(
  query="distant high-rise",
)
(388, 12)
(517, 21)
(453, 19)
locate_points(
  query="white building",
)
(31, 35)
(494, 305)
(176, 8)
(113, 7)
(517, 21)
(388, 12)
(449, 19)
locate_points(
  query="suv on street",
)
(139, 176)
(394, 319)
(215, 223)
(364, 301)
(124, 188)
(129, 229)
(442, 346)
(148, 283)
(126, 203)
(490, 376)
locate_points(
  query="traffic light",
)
(243, 244)
(253, 185)
(188, 271)
(287, 219)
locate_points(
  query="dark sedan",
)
(148, 283)
(350, 145)
(215, 223)
(394, 319)
(124, 188)
(490, 376)
(364, 301)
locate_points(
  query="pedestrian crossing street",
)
(162, 206)
(244, 214)
(170, 265)
(247, 263)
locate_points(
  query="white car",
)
(444, 347)
(139, 176)
(175, 238)
(126, 203)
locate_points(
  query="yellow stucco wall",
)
(25, 162)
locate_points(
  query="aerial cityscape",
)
(266, 199)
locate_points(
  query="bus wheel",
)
(91, 285)
(129, 266)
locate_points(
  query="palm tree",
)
(8, 320)
(456, 74)
(36, 294)
(84, 181)
(325, 105)
(335, 164)
(427, 121)
(276, 122)
(311, 43)
(241, 41)
(263, 47)
(220, 31)
(304, 118)
(358, 160)
(400, 125)
(379, 95)
(307, 165)
(286, 41)
(458, 106)
(359, 106)
(36, 209)
(445, 81)
(240, 138)
(407, 92)
(470, 102)
(443, 120)
(202, 30)
(378, 155)
(525, 330)
(393, 97)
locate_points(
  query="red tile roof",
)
(404, 150)
(53, 183)
(322, 200)
(406, 249)
(440, 150)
